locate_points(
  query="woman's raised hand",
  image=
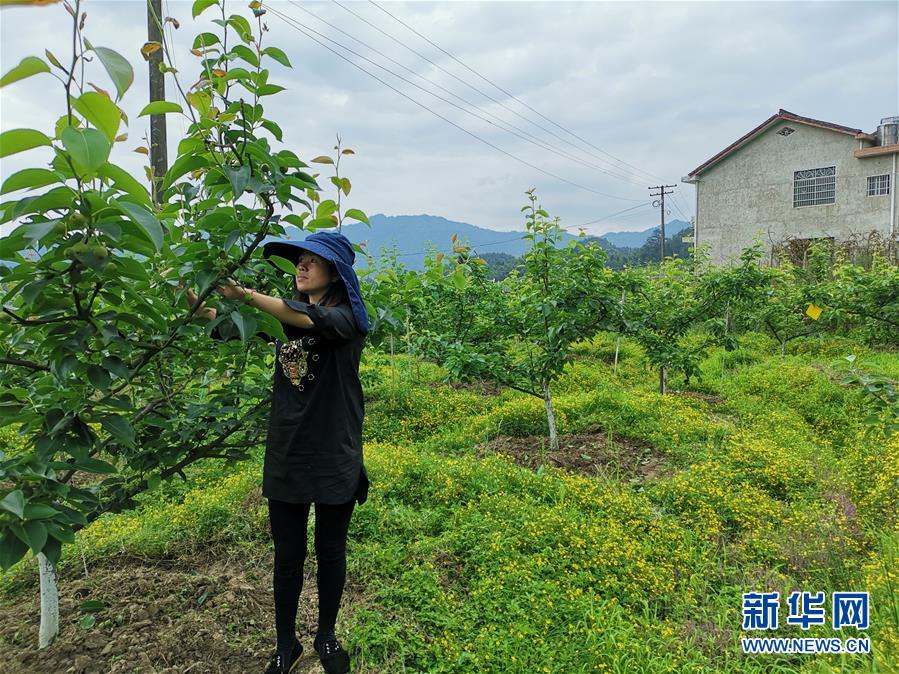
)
(232, 290)
(209, 312)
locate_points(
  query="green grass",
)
(481, 565)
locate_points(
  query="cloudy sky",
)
(606, 98)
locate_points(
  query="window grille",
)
(878, 185)
(814, 187)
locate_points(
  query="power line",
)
(457, 78)
(296, 25)
(534, 139)
(510, 95)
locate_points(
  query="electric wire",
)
(300, 28)
(533, 139)
(507, 93)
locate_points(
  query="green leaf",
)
(246, 54)
(39, 511)
(242, 26)
(87, 622)
(283, 264)
(182, 166)
(120, 71)
(323, 159)
(326, 208)
(148, 223)
(160, 108)
(88, 149)
(239, 178)
(238, 74)
(91, 606)
(19, 140)
(272, 128)
(60, 533)
(91, 465)
(12, 243)
(356, 214)
(320, 223)
(270, 325)
(36, 533)
(14, 502)
(124, 181)
(205, 40)
(52, 550)
(115, 364)
(29, 179)
(101, 112)
(269, 89)
(11, 549)
(201, 6)
(120, 428)
(201, 101)
(99, 377)
(278, 55)
(246, 325)
(30, 65)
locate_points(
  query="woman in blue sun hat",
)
(313, 450)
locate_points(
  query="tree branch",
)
(25, 363)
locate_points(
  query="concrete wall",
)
(750, 193)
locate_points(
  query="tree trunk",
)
(783, 348)
(49, 602)
(392, 363)
(663, 380)
(553, 438)
(408, 350)
(617, 340)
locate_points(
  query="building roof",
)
(782, 115)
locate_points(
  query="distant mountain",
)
(412, 234)
(637, 239)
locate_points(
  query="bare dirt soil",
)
(593, 454)
(210, 611)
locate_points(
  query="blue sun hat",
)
(337, 250)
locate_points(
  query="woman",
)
(313, 450)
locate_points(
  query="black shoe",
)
(278, 665)
(334, 659)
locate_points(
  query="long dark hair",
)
(336, 294)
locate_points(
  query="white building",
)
(797, 179)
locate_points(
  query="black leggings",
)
(289, 521)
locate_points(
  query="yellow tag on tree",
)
(814, 311)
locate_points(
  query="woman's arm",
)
(270, 305)
(335, 323)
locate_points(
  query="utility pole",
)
(661, 202)
(158, 151)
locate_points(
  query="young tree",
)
(101, 363)
(676, 315)
(517, 332)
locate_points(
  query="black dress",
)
(313, 450)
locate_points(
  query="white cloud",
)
(662, 86)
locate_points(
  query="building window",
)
(814, 187)
(878, 185)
